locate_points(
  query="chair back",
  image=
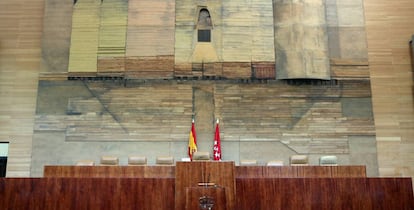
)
(109, 160)
(164, 160)
(299, 160)
(134, 160)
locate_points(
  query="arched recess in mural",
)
(204, 51)
(204, 26)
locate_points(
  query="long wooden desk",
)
(240, 171)
(110, 171)
(235, 187)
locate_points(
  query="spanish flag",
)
(192, 141)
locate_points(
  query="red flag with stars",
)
(217, 143)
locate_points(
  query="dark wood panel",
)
(249, 171)
(349, 171)
(189, 174)
(252, 193)
(299, 171)
(240, 171)
(314, 171)
(110, 171)
(264, 70)
(324, 193)
(86, 193)
(193, 195)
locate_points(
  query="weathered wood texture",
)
(275, 118)
(150, 39)
(389, 27)
(189, 174)
(346, 30)
(247, 31)
(87, 193)
(57, 29)
(301, 39)
(149, 67)
(150, 28)
(299, 172)
(85, 36)
(349, 69)
(112, 36)
(284, 114)
(242, 33)
(263, 70)
(112, 28)
(324, 193)
(120, 107)
(187, 49)
(110, 171)
(140, 113)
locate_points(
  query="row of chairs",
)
(132, 160)
(296, 160)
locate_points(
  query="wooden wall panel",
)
(348, 171)
(324, 193)
(87, 193)
(110, 171)
(253, 193)
(299, 171)
(193, 195)
(169, 171)
(189, 174)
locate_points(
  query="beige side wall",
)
(21, 24)
(390, 26)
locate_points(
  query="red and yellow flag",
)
(192, 141)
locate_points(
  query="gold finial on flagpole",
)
(217, 121)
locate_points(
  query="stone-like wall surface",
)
(346, 30)
(301, 40)
(57, 28)
(257, 121)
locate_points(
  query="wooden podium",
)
(190, 178)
